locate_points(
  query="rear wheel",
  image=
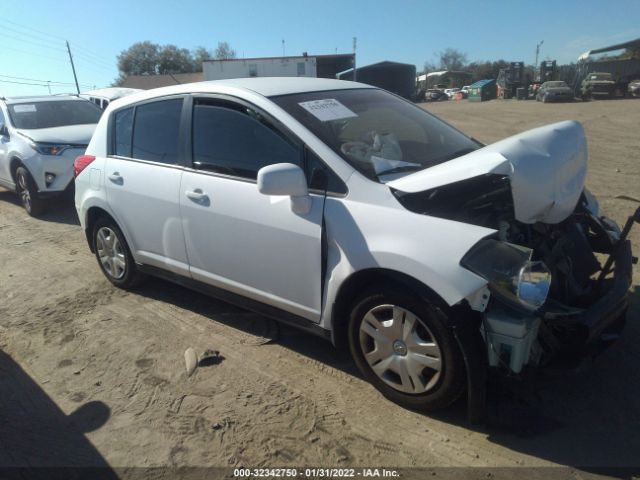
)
(113, 254)
(402, 345)
(28, 192)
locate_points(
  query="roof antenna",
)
(283, 47)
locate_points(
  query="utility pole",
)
(73, 68)
(355, 40)
(535, 65)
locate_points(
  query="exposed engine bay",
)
(573, 252)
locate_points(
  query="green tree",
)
(452, 59)
(429, 67)
(172, 59)
(224, 51)
(199, 55)
(141, 58)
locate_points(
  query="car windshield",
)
(379, 134)
(555, 84)
(600, 76)
(48, 114)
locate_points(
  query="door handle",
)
(115, 177)
(197, 195)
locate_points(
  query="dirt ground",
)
(91, 375)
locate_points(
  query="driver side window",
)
(234, 140)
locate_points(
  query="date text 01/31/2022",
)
(315, 473)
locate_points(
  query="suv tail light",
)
(82, 162)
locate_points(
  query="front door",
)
(237, 238)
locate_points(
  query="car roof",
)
(111, 92)
(265, 86)
(42, 98)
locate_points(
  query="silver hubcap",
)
(25, 196)
(400, 349)
(110, 253)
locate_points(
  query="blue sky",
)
(32, 32)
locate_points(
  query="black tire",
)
(450, 381)
(27, 190)
(125, 277)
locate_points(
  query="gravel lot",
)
(91, 375)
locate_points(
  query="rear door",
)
(237, 238)
(142, 181)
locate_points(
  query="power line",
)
(31, 28)
(43, 81)
(90, 60)
(37, 44)
(46, 34)
(89, 65)
(32, 53)
(89, 53)
(25, 83)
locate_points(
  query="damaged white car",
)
(349, 212)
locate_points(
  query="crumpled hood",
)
(71, 134)
(547, 167)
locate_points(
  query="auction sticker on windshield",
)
(327, 109)
(24, 108)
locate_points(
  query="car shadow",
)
(586, 420)
(37, 439)
(59, 209)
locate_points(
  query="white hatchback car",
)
(40, 137)
(354, 214)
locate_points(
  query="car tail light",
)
(81, 163)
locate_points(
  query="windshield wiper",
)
(459, 153)
(400, 169)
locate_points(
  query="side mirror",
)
(286, 179)
(4, 131)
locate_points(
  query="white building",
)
(324, 66)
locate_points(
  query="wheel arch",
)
(93, 214)
(14, 163)
(359, 281)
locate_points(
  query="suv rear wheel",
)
(402, 345)
(27, 190)
(113, 254)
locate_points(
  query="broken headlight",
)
(512, 275)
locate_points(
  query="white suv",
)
(351, 213)
(39, 139)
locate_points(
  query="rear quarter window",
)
(123, 129)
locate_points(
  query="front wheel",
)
(28, 192)
(113, 254)
(403, 346)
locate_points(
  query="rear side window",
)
(237, 141)
(123, 129)
(155, 131)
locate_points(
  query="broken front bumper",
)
(561, 336)
(573, 335)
